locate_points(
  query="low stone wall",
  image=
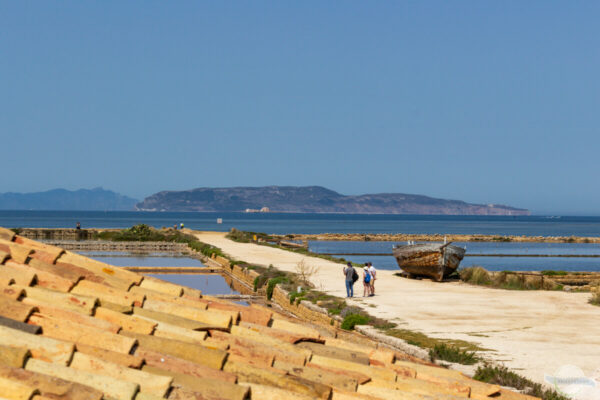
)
(57, 233)
(304, 309)
(133, 247)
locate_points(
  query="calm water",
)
(311, 223)
(491, 263)
(208, 284)
(141, 260)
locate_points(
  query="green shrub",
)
(352, 320)
(256, 284)
(272, 283)
(297, 296)
(453, 354)
(504, 377)
(554, 273)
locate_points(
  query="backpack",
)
(354, 276)
(367, 277)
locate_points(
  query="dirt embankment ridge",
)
(402, 237)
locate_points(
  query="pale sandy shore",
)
(531, 332)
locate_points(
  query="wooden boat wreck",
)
(434, 260)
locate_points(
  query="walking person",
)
(373, 273)
(366, 281)
(350, 274)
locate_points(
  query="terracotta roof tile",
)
(42, 278)
(13, 309)
(153, 384)
(69, 301)
(59, 389)
(126, 360)
(195, 314)
(106, 293)
(126, 322)
(43, 348)
(161, 286)
(67, 315)
(336, 352)
(206, 387)
(19, 276)
(40, 265)
(13, 356)
(187, 351)
(17, 390)
(170, 319)
(4, 256)
(268, 376)
(6, 234)
(81, 334)
(11, 292)
(18, 253)
(179, 365)
(111, 387)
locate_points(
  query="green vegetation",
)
(453, 354)
(421, 340)
(354, 319)
(506, 280)
(16, 230)
(271, 285)
(247, 237)
(554, 273)
(501, 239)
(504, 377)
(145, 233)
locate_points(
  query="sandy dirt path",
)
(532, 332)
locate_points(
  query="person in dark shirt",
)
(349, 274)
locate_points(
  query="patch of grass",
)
(475, 276)
(421, 340)
(17, 230)
(506, 279)
(246, 236)
(501, 239)
(453, 354)
(351, 320)
(504, 377)
(549, 272)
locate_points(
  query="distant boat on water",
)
(434, 260)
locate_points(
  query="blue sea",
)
(282, 223)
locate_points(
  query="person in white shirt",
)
(373, 273)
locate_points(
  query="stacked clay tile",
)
(74, 328)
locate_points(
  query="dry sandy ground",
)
(534, 332)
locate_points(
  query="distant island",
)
(313, 199)
(96, 199)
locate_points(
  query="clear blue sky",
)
(490, 102)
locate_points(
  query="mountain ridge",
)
(313, 199)
(96, 199)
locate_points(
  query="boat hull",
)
(432, 260)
